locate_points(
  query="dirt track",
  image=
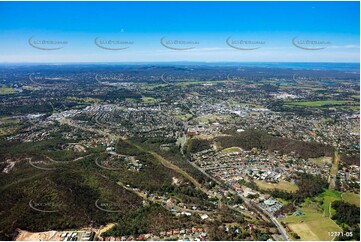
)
(37, 236)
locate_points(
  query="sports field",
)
(232, 149)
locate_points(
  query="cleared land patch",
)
(7, 90)
(322, 160)
(305, 230)
(311, 224)
(282, 185)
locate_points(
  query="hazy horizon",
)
(179, 31)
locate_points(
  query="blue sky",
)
(207, 25)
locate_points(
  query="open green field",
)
(7, 131)
(282, 185)
(84, 99)
(311, 224)
(317, 103)
(129, 99)
(351, 198)
(8, 125)
(148, 99)
(186, 83)
(153, 86)
(232, 149)
(6, 90)
(206, 120)
(354, 107)
(7, 120)
(212, 118)
(184, 116)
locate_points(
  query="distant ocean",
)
(345, 67)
